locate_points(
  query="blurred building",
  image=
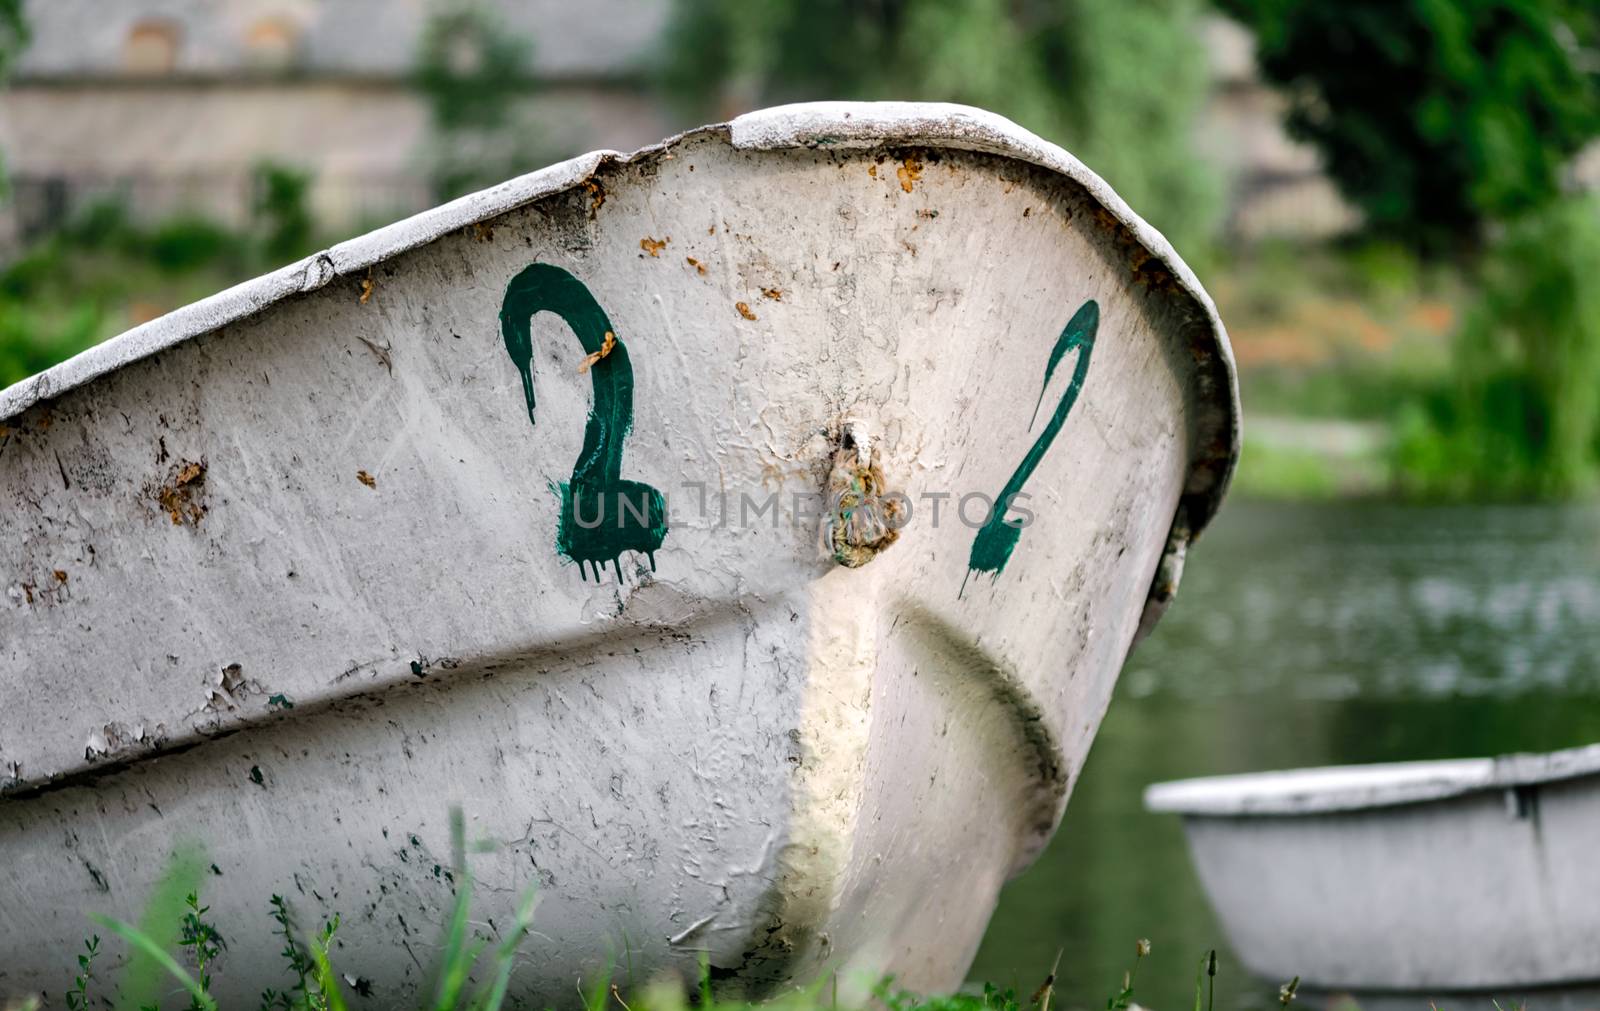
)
(1275, 185)
(172, 103)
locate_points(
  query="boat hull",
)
(320, 577)
(1445, 877)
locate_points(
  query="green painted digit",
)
(992, 547)
(602, 514)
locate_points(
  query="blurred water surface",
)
(1303, 635)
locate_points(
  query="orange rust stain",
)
(60, 574)
(366, 479)
(597, 195)
(654, 246)
(696, 264)
(178, 497)
(482, 232)
(872, 170)
(368, 286)
(605, 349)
(744, 310)
(773, 293)
(908, 173)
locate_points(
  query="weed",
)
(1123, 999)
(201, 938)
(78, 996)
(315, 985)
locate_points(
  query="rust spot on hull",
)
(908, 173)
(863, 516)
(181, 495)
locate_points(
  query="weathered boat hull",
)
(297, 568)
(1448, 877)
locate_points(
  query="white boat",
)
(1475, 875)
(295, 568)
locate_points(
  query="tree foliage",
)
(13, 40)
(471, 68)
(1436, 116)
(474, 73)
(1520, 416)
(13, 34)
(1117, 83)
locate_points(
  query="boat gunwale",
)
(1346, 789)
(813, 125)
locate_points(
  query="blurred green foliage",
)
(474, 72)
(280, 211)
(1120, 84)
(13, 40)
(471, 68)
(105, 271)
(1520, 416)
(13, 34)
(1436, 116)
(1451, 124)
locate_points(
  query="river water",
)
(1303, 635)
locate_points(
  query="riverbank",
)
(1305, 459)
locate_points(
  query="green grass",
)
(175, 942)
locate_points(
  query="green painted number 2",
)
(991, 549)
(602, 514)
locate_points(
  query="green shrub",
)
(279, 212)
(1520, 417)
(13, 39)
(31, 343)
(186, 243)
(474, 74)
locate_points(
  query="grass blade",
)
(506, 956)
(327, 980)
(457, 959)
(152, 950)
(140, 983)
